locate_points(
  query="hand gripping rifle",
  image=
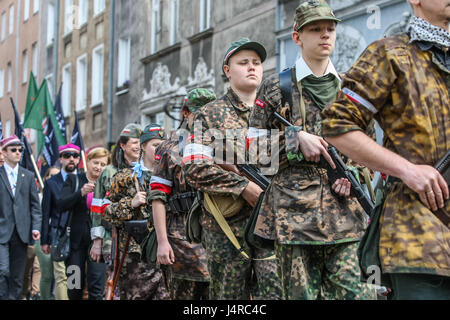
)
(341, 171)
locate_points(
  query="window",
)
(25, 66)
(50, 24)
(9, 77)
(83, 13)
(81, 83)
(49, 79)
(174, 21)
(36, 4)
(97, 76)
(35, 58)
(156, 25)
(205, 9)
(26, 10)
(176, 115)
(160, 118)
(123, 61)
(99, 6)
(2, 83)
(68, 16)
(7, 130)
(66, 89)
(11, 19)
(3, 26)
(289, 52)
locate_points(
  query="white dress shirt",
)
(302, 70)
(12, 174)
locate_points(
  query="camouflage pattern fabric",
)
(299, 206)
(313, 10)
(141, 281)
(190, 258)
(197, 98)
(101, 188)
(407, 91)
(327, 272)
(121, 193)
(229, 273)
(180, 289)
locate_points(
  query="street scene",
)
(254, 150)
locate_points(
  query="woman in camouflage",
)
(138, 280)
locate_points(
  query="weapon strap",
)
(122, 260)
(227, 230)
(286, 77)
(368, 181)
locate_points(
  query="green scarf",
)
(322, 90)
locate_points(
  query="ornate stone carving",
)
(160, 83)
(202, 75)
(350, 43)
(400, 26)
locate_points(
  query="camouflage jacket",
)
(168, 180)
(407, 91)
(299, 206)
(121, 193)
(212, 122)
(98, 207)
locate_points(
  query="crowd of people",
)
(165, 216)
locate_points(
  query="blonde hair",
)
(99, 153)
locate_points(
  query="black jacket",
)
(51, 217)
(72, 200)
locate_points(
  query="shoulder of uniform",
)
(210, 110)
(390, 45)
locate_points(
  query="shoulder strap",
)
(286, 87)
(224, 225)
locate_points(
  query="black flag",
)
(26, 161)
(77, 139)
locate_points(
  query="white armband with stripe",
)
(195, 151)
(357, 98)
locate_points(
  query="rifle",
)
(252, 173)
(341, 171)
(109, 294)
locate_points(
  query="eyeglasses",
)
(67, 155)
(14, 150)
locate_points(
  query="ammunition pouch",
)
(228, 206)
(193, 228)
(182, 203)
(137, 229)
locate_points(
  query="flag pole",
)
(41, 183)
(83, 158)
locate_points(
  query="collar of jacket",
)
(236, 101)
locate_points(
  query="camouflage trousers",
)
(231, 274)
(323, 272)
(181, 289)
(141, 281)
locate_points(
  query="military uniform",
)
(406, 88)
(230, 273)
(316, 232)
(188, 277)
(138, 280)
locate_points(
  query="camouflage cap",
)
(132, 130)
(313, 10)
(152, 131)
(197, 98)
(245, 44)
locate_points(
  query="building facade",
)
(20, 32)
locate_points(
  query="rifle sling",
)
(227, 230)
(122, 260)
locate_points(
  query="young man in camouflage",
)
(125, 153)
(316, 230)
(188, 277)
(230, 272)
(138, 280)
(403, 82)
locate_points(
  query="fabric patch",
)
(260, 104)
(358, 99)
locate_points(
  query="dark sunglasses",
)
(14, 150)
(67, 155)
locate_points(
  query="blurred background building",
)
(122, 61)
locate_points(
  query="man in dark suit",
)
(20, 218)
(52, 219)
